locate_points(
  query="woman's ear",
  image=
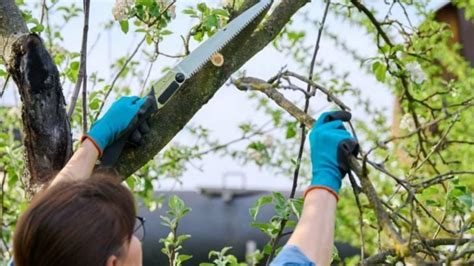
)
(112, 261)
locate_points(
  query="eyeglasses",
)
(139, 228)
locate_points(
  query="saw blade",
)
(201, 55)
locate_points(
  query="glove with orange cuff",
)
(121, 117)
(331, 146)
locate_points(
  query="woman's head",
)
(87, 222)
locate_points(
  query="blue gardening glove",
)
(119, 119)
(331, 145)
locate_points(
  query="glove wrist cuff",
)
(312, 188)
(84, 137)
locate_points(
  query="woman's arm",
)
(121, 117)
(313, 238)
(314, 234)
(81, 164)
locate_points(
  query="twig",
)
(43, 10)
(5, 85)
(403, 79)
(356, 191)
(112, 85)
(441, 178)
(374, 21)
(259, 131)
(331, 96)
(86, 4)
(440, 141)
(249, 83)
(171, 56)
(147, 76)
(83, 60)
(425, 126)
(4, 179)
(381, 257)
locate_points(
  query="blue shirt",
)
(291, 256)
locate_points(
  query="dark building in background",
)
(219, 218)
(463, 30)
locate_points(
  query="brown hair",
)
(75, 223)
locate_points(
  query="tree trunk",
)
(46, 131)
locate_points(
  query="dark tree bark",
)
(46, 131)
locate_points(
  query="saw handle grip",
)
(112, 153)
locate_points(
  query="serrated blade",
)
(197, 58)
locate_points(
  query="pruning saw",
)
(162, 91)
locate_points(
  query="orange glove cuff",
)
(84, 137)
(309, 189)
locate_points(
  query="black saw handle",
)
(113, 152)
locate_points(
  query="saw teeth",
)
(230, 38)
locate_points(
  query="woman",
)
(84, 220)
(81, 219)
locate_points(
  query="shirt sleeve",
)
(291, 255)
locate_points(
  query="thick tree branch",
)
(199, 89)
(46, 130)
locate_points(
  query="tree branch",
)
(198, 90)
(361, 171)
(381, 257)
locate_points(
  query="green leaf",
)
(380, 71)
(124, 26)
(257, 145)
(184, 257)
(190, 11)
(165, 32)
(202, 7)
(211, 22)
(38, 28)
(74, 65)
(220, 12)
(181, 238)
(290, 130)
(94, 104)
(149, 39)
(267, 249)
(225, 249)
(131, 183)
(260, 202)
(430, 202)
